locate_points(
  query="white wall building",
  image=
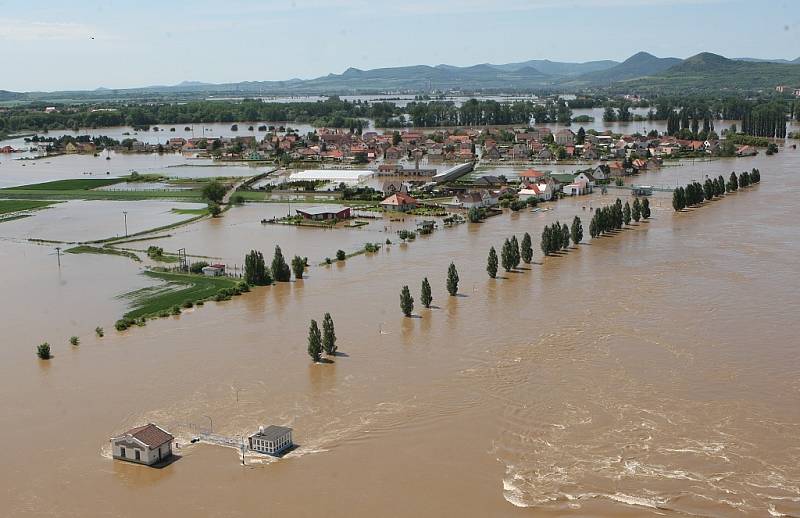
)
(146, 444)
(272, 440)
(335, 176)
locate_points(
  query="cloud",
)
(24, 30)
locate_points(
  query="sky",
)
(47, 46)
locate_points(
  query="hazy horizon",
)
(93, 45)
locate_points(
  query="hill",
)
(640, 64)
(558, 68)
(712, 72)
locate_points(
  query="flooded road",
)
(653, 372)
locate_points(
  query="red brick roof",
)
(399, 199)
(150, 434)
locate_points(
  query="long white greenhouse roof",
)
(331, 175)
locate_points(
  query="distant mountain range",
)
(641, 73)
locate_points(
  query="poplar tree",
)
(280, 270)
(507, 256)
(491, 263)
(645, 209)
(526, 249)
(314, 342)
(564, 236)
(452, 280)
(425, 293)
(406, 301)
(576, 231)
(255, 272)
(626, 213)
(328, 335)
(515, 254)
(636, 213)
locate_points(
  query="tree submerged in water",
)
(328, 335)
(425, 293)
(491, 263)
(43, 351)
(280, 270)
(255, 271)
(452, 280)
(406, 301)
(314, 342)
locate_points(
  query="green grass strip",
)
(176, 289)
(76, 184)
(9, 206)
(84, 249)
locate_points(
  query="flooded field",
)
(80, 220)
(649, 373)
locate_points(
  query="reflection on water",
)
(653, 372)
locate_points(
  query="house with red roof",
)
(399, 202)
(148, 445)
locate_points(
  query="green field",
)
(9, 206)
(177, 289)
(84, 249)
(77, 184)
(83, 189)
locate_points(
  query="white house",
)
(146, 444)
(586, 177)
(475, 199)
(543, 191)
(272, 440)
(577, 188)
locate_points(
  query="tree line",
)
(256, 272)
(695, 193)
(426, 295)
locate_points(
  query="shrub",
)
(99, 331)
(200, 303)
(388, 241)
(198, 267)
(163, 314)
(124, 323)
(43, 351)
(214, 210)
(243, 288)
(188, 304)
(74, 340)
(340, 255)
(327, 260)
(176, 310)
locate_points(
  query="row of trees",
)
(331, 112)
(257, 274)
(426, 296)
(555, 237)
(324, 341)
(476, 112)
(614, 216)
(765, 120)
(510, 255)
(695, 193)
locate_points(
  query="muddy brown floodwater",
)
(654, 372)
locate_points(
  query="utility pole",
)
(242, 437)
(58, 254)
(125, 215)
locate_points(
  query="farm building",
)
(146, 444)
(325, 212)
(272, 440)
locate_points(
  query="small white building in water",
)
(148, 444)
(272, 440)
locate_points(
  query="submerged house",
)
(148, 444)
(272, 440)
